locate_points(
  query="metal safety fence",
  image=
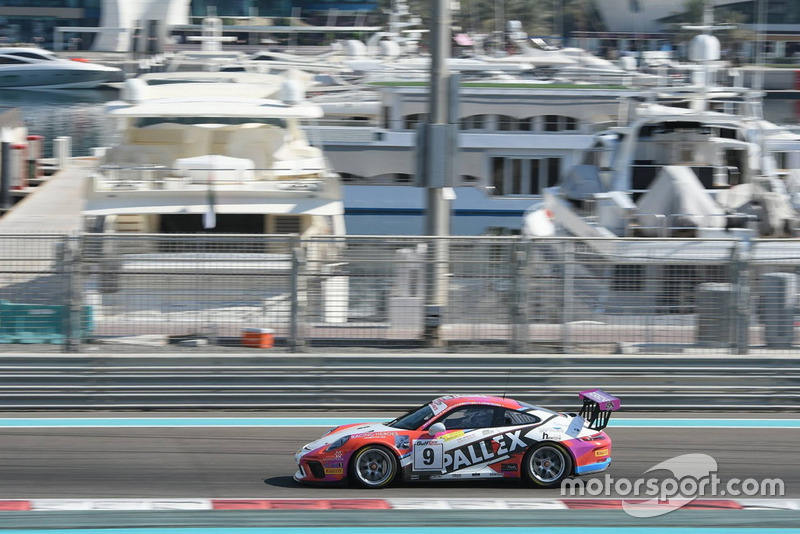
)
(482, 294)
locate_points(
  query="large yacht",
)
(216, 154)
(693, 178)
(28, 67)
(235, 136)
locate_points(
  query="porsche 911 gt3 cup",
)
(457, 437)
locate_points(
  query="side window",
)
(469, 417)
(512, 418)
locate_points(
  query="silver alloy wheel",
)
(547, 464)
(374, 467)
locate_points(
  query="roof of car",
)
(457, 400)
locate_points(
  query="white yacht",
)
(693, 178)
(237, 137)
(215, 154)
(696, 160)
(28, 67)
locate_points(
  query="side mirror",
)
(436, 428)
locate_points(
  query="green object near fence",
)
(39, 323)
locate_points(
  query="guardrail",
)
(397, 381)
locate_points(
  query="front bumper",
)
(321, 467)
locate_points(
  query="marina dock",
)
(55, 206)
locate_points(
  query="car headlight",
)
(338, 443)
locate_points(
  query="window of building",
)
(411, 121)
(524, 176)
(474, 122)
(506, 123)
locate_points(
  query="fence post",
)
(296, 342)
(519, 296)
(68, 262)
(740, 259)
(569, 296)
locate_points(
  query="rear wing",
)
(597, 407)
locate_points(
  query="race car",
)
(466, 436)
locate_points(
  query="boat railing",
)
(665, 225)
(159, 177)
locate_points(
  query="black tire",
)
(547, 465)
(373, 467)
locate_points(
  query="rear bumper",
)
(593, 468)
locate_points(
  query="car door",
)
(460, 447)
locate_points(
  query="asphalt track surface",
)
(92, 463)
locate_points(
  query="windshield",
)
(413, 419)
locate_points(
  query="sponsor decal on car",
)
(452, 435)
(374, 435)
(601, 452)
(428, 455)
(438, 405)
(486, 450)
(334, 470)
(508, 467)
(402, 442)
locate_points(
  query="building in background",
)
(279, 8)
(124, 25)
(637, 25)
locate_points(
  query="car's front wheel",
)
(373, 467)
(547, 465)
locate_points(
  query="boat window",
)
(229, 121)
(10, 61)
(286, 224)
(498, 176)
(553, 170)
(33, 55)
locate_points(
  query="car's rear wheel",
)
(373, 467)
(547, 465)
